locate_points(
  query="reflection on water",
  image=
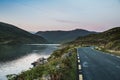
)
(13, 52)
(14, 59)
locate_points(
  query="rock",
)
(46, 77)
(58, 66)
(67, 55)
(11, 76)
(39, 61)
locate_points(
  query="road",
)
(97, 65)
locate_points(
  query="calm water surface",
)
(14, 59)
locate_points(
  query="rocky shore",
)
(39, 61)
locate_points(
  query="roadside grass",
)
(114, 52)
(60, 66)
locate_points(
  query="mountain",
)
(109, 39)
(10, 34)
(63, 36)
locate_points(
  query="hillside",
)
(109, 39)
(10, 34)
(63, 36)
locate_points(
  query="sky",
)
(42, 15)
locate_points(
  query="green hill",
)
(109, 39)
(63, 36)
(10, 34)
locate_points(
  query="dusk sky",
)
(42, 15)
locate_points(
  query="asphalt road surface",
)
(97, 65)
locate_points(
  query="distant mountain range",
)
(109, 39)
(10, 34)
(63, 36)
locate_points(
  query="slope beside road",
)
(96, 65)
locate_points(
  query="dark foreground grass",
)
(61, 65)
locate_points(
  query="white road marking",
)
(79, 61)
(86, 57)
(80, 77)
(79, 67)
(118, 56)
(92, 48)
(78, 57)
(85, 64)
(112, 55)
(109, 61)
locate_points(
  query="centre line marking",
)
(79, 61)
(79, 66)
(80, 77)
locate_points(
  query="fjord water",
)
(15, 59)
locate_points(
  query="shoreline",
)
(23, 63)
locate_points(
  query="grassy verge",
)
(61, 65)
(117, 53)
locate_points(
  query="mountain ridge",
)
(10, 34)
(60, 36)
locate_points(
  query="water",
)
(15, 59)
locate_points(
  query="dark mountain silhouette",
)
(63, 36)
(10, 34)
